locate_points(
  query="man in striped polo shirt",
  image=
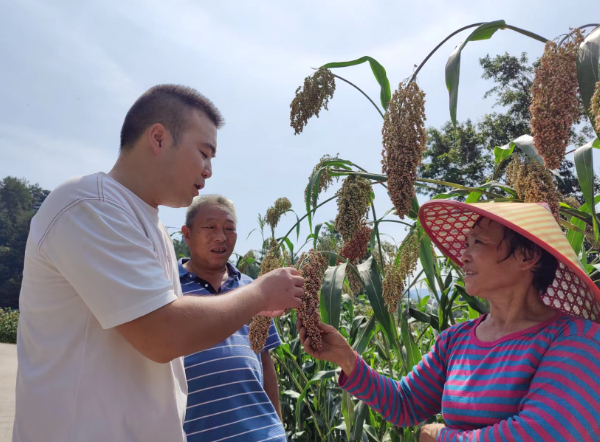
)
(232, 392)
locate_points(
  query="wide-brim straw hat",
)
(448, 222)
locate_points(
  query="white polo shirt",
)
(97, 256)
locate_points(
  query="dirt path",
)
(8, 378)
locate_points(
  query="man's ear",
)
(157, 137)
(186, 234)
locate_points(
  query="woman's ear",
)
(529, 259)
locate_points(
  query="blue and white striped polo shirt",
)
(226, 397)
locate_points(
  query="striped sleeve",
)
(273, 340)
(563, 402)
(417, 397)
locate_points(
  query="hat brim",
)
(448, 222)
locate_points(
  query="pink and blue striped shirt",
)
(539, 384)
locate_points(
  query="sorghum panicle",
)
(326, 179)
(273, 260)
(274, 213)
(554, 99)
(404, 141)
(353, 200)
(318, 89)
(355, 249)
(595, 108)
(259, 331)
(389, 254)
(395, 276)
(243, 267)
(259, 326)
(312, 268)
(533, 183)
(572, 201)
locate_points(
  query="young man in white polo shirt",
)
(103, 325)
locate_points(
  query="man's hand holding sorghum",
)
(279, 289)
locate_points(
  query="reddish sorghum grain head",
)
(404, 140)
(356, 248)
(353, 200)
(554, 100)
(312, 268)
(259, 331)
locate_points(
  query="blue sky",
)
(71, 69)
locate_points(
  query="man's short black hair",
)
(168, 104)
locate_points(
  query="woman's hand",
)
(335, 348)
(429, 432)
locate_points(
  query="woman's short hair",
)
(211, 199)
(545, 270)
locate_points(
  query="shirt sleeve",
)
(563, 402)
(415, 398)
(273, 340)
(104, 253)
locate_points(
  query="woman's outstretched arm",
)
(417, 397)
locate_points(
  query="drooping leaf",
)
(588, 73)
(319, 376)
(502, 152)
(361, 411)
(575, 237)
(297, 226)
(365, 333)
(371, 279)
(473, 302)
(347, 408)
(331, 294)
(316, 236)
(414, 208)
(473, 197)
(371, 434)
(483, 32)
(420, 316)
(525, 144)
(426, 257)
(413, 353)
(378, 71)
(585, 176)
(312, 190)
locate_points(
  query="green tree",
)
(18, 201)
(181, 248)
(455, 155)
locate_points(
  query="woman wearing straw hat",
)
(529, 370)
